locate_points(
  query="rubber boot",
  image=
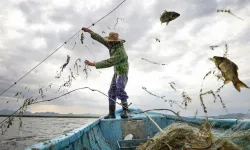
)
(125, 112)
(111, 112)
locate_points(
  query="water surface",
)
(36, 130)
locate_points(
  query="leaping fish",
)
(166, 16)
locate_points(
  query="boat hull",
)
(105, 134)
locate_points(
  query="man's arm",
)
(96, 37)
(99, 38)
(110, 62)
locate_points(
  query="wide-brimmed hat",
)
(113, 36)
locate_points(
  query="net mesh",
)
(181, 136)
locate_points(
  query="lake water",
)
(36, 130)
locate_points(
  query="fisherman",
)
(118, 59)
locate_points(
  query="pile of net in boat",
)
(181, 136)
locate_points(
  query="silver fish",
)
(82, 38)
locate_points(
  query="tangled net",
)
(181, 136)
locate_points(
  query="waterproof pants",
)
(117, 88)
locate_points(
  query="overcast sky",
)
(31, 30)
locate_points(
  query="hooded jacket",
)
(118, 56)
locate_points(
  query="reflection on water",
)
(36, 130)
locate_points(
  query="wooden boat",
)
(109, 134)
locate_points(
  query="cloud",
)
(30, 31)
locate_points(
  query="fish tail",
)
(238, 84)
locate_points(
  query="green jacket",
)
(118, 56)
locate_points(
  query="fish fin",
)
(238, 84)
(226, 81)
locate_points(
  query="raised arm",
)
(96, 37)
(99, 38)
(115, 59)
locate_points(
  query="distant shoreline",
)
(52, 116)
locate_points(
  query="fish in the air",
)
(229, 71)
(82, 38)
(166, 16)
(157, 40)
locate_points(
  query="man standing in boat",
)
(118, 59)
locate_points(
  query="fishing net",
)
(181, 136)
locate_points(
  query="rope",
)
(59, 48)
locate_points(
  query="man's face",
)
(110, 42)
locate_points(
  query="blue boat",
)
(109, 134)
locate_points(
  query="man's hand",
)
(89, 63)
(86, 29)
